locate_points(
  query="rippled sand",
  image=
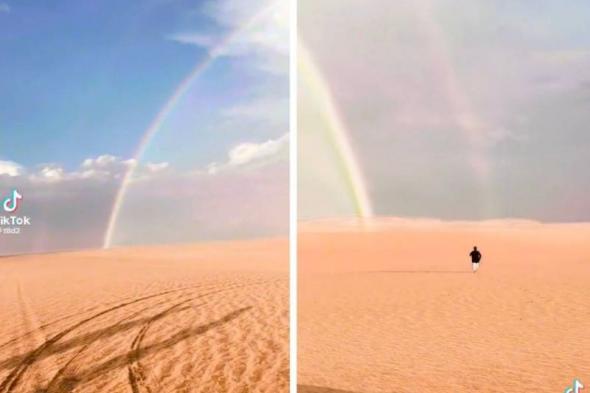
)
(203, 318)
(392, 306)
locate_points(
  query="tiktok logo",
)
(575, 388)
(12, 224)
(12, 202)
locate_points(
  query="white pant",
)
(475, 266)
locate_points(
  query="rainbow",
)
(168, 108)
(466, 118)
(464, 115)
(339, 137)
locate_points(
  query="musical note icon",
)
(12, 203)
(576, 387)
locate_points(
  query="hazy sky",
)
(461, 109)
(81, 82)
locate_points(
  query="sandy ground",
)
(392, 306)
(203, 318)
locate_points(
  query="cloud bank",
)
(246, 196)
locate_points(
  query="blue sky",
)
(81, 82)
(83, 76)
(81, 79)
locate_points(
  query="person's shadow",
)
(423, 271)
(320, 389)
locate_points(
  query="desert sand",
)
(391, 305)
(198, 318)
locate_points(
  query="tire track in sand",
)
(61, 384)
(63, 318)
(28, 317)
(137, 378)
(13, 378)
(136, 372)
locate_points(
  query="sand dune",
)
(203, 318)
(391, 306)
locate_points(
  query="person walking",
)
(475, 258)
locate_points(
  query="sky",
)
(454, 110)
(82, 83)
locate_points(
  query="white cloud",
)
(50, 173)
(104, 167)
(10, 168)
(197, 39)
(250, 28)
(108, 167)
(100, 161)
(250, 153)
(247, 152)
(4, 8)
